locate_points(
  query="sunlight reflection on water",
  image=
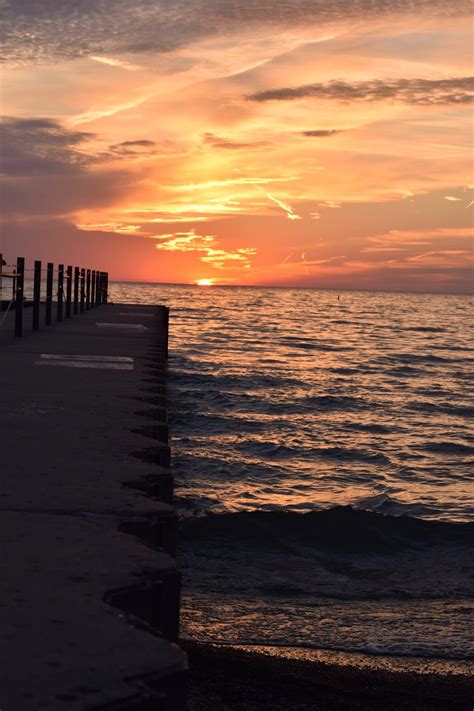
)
(302, 399)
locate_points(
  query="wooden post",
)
(88, 289)
(106, 287)
(83, 287)
(68, 291)
(76, 290)
(36, 296)
(1, 285)
(97, 288)
(49, 293)
(19, 295)
(167, 322)
(59, 310)
(93, 289)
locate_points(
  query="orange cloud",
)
(216, 257)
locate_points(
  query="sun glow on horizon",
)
(204, 282)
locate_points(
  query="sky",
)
(300, 143)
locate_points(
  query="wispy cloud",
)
(169, 219)
(231, 181)
(104, 112)
(332, 204)
(290, 213)
(214, 255)
(439, 253)
(120, 228)
(110, 61)
(420, 236)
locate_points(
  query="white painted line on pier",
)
(124, 326)
(83, 364)
(85, 361)
(105, 359)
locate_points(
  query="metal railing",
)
(77, 290)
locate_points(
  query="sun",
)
(204, 282)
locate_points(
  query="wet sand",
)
(230, 679)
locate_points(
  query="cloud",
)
(142, 143)
(421, 236)
(231, 181)
(217, 142)
(47, 170)
(423, 92)
(321, 133)
(452, 198)
(96, 114)
(311, 257)
(170, 218)
(290, 213)
(184, 242)
(134, 148)
(213, 255)
(452, 243)
(44, 31)
(117, 63)
(429, 256)
(332, 204)
(40, 146)
(120, 228)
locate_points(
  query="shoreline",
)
(377, 661)
(243, 679)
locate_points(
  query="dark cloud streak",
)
(321, 133)
(217, 142)
(424, 92)
(133, 148)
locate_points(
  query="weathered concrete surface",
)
(79, 450)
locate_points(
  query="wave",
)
(372, 427)
(341, 528)
(446, 408)
(448, 448)
(275, 450)
(425, 329)
(422, 358)
(197, 381)
(341, 578)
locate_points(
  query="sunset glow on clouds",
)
(289, 143)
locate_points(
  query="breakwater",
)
(89, 584)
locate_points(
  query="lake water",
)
(323, 459)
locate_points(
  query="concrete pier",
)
(89, 590)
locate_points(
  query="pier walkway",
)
(89, 590)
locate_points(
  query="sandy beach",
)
(229, 679)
